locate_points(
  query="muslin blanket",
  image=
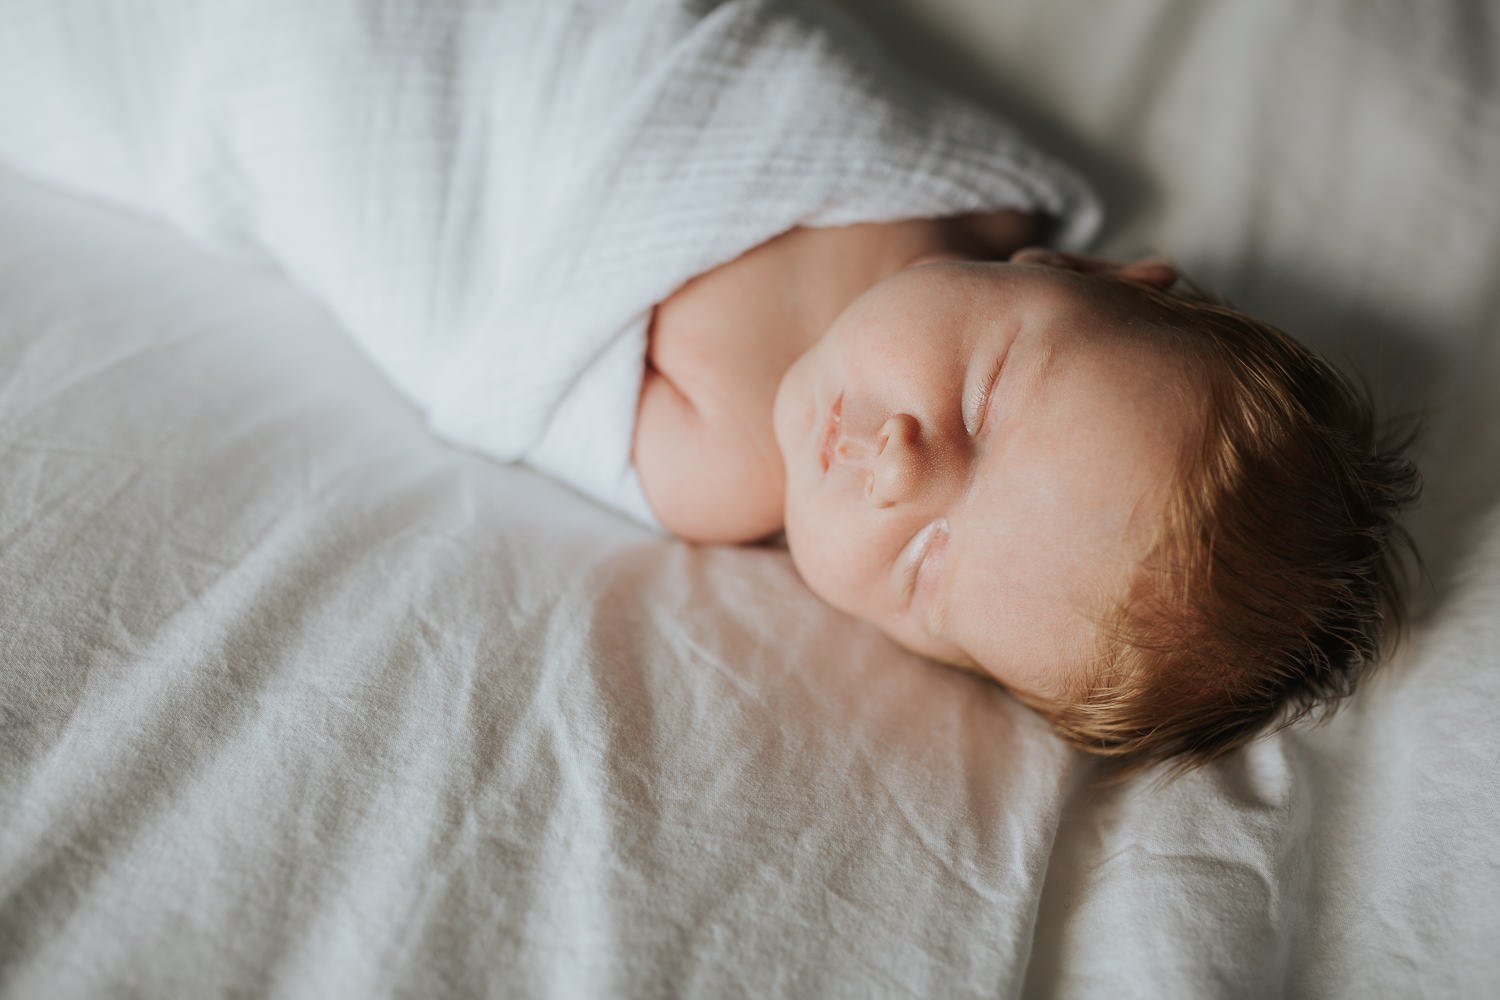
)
(491, 197)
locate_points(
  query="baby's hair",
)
(1276, 578)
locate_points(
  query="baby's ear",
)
(1147, 271)
(1151, 271)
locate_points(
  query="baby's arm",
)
(704, 447)
(708, 476)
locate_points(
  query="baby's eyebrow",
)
(1038, 370)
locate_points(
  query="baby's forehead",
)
(994, 291)
(1042, 647)
(1059, 523)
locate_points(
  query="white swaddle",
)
(492, 196)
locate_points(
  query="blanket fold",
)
(490, 197)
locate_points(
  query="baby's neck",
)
(704, 445)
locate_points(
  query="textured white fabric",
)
(491, 195)
(296, 700)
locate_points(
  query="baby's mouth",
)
(830, 433)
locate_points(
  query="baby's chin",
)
(1045, 676)
(943, 654)
(792, 397)
(965, 665)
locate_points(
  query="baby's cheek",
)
(824, 556)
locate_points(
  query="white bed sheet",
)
(296, 699)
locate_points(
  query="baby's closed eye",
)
(919, 555)
(978, 404)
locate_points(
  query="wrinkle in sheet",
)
(240, 697)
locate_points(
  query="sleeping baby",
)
(727, 269)
(1158, 522)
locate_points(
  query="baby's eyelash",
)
(981, 396)
(909, 590)
(911, 577)
(924, 538)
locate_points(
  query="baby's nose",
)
(896, 471)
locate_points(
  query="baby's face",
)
(977, 455)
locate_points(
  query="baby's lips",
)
(828, 439)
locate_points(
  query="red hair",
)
(1276, 576)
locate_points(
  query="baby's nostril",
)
(894, 424)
